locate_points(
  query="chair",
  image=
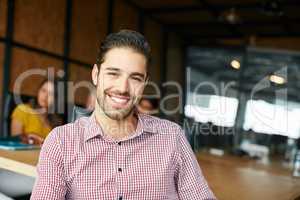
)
(9, 106)
(80, 112)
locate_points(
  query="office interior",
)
(227, 71)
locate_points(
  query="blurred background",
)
(227, 71)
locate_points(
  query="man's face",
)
(120, 82)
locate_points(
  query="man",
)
(118, 153)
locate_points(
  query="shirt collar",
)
(93, 128)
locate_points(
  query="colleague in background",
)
(148, 106)
(32, 122)
(90, 101)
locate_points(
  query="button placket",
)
(119, 168)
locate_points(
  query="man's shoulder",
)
(71, 130)
(159, 125)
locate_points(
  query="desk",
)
(230, 177)
(234, 178)
(22, 162)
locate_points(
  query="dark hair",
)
(124, 38)
(53, 117)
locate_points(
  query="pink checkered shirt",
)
(78, 161)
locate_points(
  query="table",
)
(235, 178)
(23, 162)
(230, 177)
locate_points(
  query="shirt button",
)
(119, 169)
(120, 197)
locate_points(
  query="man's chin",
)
(117, 115)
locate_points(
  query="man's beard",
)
(114, 113)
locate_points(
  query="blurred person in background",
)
(148, 106)
(90, 101)
(32, 122)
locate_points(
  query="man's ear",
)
(95, 73)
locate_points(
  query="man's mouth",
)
(119, 100)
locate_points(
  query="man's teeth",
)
(118, 100)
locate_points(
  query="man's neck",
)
(116, 129)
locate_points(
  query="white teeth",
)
(118, 100)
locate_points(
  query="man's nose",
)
(122, 84)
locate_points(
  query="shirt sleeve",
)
(50, 183)
(19, 114)
(190, 182)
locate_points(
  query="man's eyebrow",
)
(138, 74)
(118, 70)
(112, 69)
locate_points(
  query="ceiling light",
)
(235, 64)
(230, 16)
(277, 79)
(272, 7)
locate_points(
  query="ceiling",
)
(211, 18)
(257, 65)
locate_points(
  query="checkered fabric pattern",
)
(78, 161)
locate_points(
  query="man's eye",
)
(112, 73)
(137, 79)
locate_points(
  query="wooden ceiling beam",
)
(242, 23)
(217, 7)
(200, 36)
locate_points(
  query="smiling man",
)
(118, 153)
